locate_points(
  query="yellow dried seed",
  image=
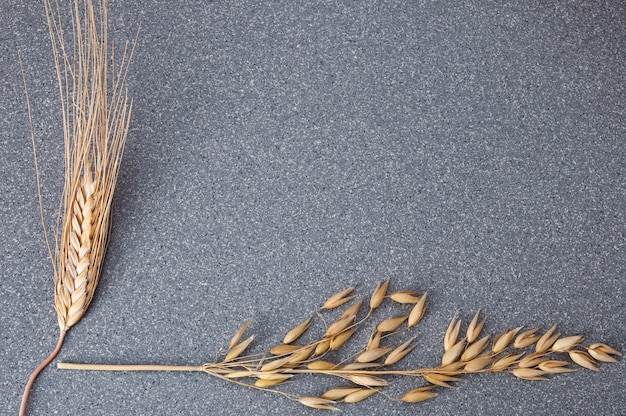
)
(379, 294)
(317, 403)
(417, 313)
(478, 363)
(600, 353)
(474, 328)
(439, 379)
(240, 374)
(505, 362)
(526, 338)
(419, 394)
(321, 365)
(400, 352)
(322, 346)
(301, 355)
(263, 383)
(531, 360)
(359, 395)
(360, 366)
(503, 340)
(566, 343)
(391, 324)
(452, 333)
(529, 374)
(374, 340)
(472, 350)
(283, 349)
(238, 349)
(405, 296)
(338, 393)
(583, 359)
(337, 341)
(235, 339)
(367, 380)
(453, 353)
(296, 332)
(545, 342)
(372, 355)
(352, 310)
(338, 298)
(273, 376)
(340, 325)
(554, 367)
(276, 364)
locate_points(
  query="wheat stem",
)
(123, 367)
(38, 370)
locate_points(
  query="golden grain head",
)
(417, 313)
(338, 299)
(296, 332)
(583, 359)
(379, 294)
(452, 333)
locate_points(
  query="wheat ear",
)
(95, 111)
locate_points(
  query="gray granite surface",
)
(281, 151)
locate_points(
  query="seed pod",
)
(317, 403)
(379, 294)
(531, 360)
(583, 359)
(526, 338)
(554, 366)
(567, 343)
(400, 352)
(440, 379)
(505, 362)
(283, 349)
(419, 394)
(452, 354)
(478, 363)
(238, 349)
(529, 374)
(546, 340)
(338, 298)
(322, 346)
(474, 328)
(503, 340)
(405, 296)
(296, 332)
(372, 355)
(235, 339)
(603, 352)
(352, 310)
(391, 324)
(359, 395)
(338, 393)
(367, 381)
(340, 325)
(472, 350)
(417, 313)
(321, 365)
(337, 341)
(452, 333)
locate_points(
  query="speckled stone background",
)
(281, 151)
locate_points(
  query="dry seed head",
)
(340, 325)
(322, 346)
(379, 294)
(367, 380)
(452, 333)
(472, 350)
(478, 363)
(440, 379)
(338, 298)
(240, 374)
(301, 355)
(235, 339)
(359, 395)
(321, 365)
(338, 393)
(603, 352)
(554, 366)
(405, 296)
(276, 364)
(419, 394)
(417, 313)
(400, 352)
(452, 354)
(352, 310)
(505, 362)
(529, 374)
(337, 341)
(503, 340)
(567, 343)
(360, 366)
(283, 349)
(238, 349)
(452, 368)
(372, 355)
(391, 324)
(270, 382)
(475, 327)
(317, 403)
(583, 359)
(531, 360)
(526, 338)
(545, 342)
(296, 332)
(374, 340)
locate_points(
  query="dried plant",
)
(527, 355)
(95, 113)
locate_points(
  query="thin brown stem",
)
(130, 367)
(38, 370)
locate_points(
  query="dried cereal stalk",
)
(95, 112)
(366, 373)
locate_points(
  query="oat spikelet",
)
(95, 111)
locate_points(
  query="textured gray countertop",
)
(281, 151)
